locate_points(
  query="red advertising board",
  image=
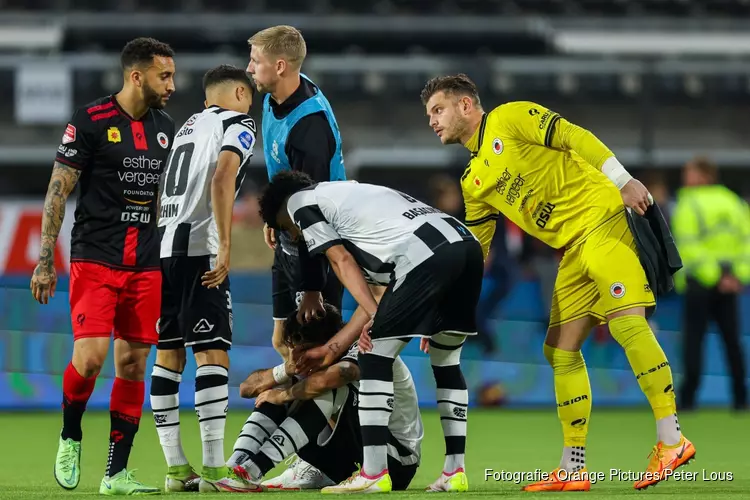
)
(20, 237)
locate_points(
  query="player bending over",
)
(209, 158)
(117, 147)
(432, 267)
(297, 418)
(560, 184)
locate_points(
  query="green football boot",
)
(123, 483)
(181, 478)
(68, 463)
(210, 476)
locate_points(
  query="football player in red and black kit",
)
(115, 149)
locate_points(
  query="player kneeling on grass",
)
(432, 267)
(297, 419)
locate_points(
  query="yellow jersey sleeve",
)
(534, 124)
(481, 217)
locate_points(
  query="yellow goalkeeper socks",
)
(573, 394)
(651, 368)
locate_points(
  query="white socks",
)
(668, 430)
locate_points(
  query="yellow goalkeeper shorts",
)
(600, 275)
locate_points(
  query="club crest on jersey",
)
(497, 146)
(163, 140)
(617, 290)
(113, 134)
(69, 135)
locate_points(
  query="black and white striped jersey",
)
(388, 232)
(186, 216)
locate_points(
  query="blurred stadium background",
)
(659, 81)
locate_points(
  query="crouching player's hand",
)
(310, 360)
(424, 345)
(273, 396)
(365, 341)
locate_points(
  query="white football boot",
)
(299, 475)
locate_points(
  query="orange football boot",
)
(562, 480)
(665, 460)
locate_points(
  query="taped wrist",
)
(279, 374)
(614, 170)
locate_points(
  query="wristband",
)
(614, 170)
(279, 374)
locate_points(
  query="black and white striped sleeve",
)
(318, 232)
(239, 135)
(352, 355)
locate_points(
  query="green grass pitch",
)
(498, 439)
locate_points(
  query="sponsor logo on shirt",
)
(69, 135)
(113, 134)
(246, 139)
(502, 182)
(525, 199)
(544, 214)
(68, 152)
(514, 192)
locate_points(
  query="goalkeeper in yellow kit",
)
(559, 183)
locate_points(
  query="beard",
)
(457, 129)
(265, 88)
(151, 97)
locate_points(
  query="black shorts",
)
(191, 314)
(439, 295)
(339, 456)
(286, 282)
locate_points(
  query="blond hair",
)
(284, 41)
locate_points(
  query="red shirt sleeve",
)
(77, 144)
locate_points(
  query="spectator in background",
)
(657, 186)
(445, 194)
(711, 226)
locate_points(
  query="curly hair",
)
(316, 332)
(142, 51)
(282, 186)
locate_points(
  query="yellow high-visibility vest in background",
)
(711, 226)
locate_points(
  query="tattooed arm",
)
(262, 380)
(313, 386)
(257, 382)
(44, 280)
(323, 356)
